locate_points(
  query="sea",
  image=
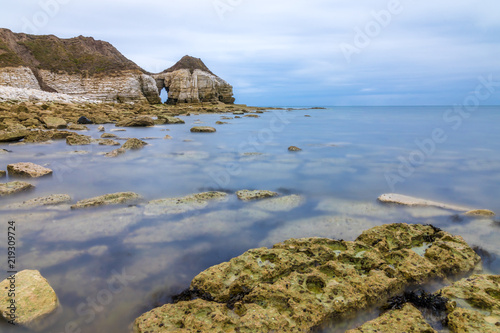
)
(108, 265)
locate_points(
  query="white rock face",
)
(18, 77)
(199, 86)
(34, 95)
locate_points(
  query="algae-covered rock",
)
(27, 170)
(171, 120)
(470, 321)
(108, 199)
(480, 213)
(54, 122)
(51, 200)
(134, 144)
(35, 300)
(141, 121)
(14, 187)
(247, 195)
(182, 204)
(407, 319)
(78, 140)
(300, 283)
(203, 129)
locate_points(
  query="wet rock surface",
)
(247, 195)
(12, 136)
(141, 121)
(108, 199)
(134, 144)
(203, 129)
(78, 140)
(116, 152)
(182, 204)
(35, 300)
(298, 284)
(27, 170)
(412, 201)
(51, 200)
(14, 187)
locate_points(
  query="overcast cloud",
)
(295, 52)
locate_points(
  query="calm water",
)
(109, 265)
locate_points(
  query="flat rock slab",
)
(51, 200)
(247, 195)
(108, 199)
(14, 187)
(35, 299)
(27, 170)
(141, 121)
(203, 129)
(11, 136)
(407, 319)
(54, 122)
(299, 284)
(182, 204)
(116, 152)
(412, 201)
(77, 127)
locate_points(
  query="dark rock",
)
(84, 121)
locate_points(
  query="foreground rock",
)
(27, 170)
(411, 201)
(247, 195)
(134, 144)
(108, 199)
(35, 300)
(299, 284)
(51, 200)
(182, 204)
(478, 304)
(11, 136)
(203, 129)
(14, 187)
(3, 173)
(407, 319)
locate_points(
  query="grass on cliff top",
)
(7, 57)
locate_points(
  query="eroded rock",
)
(14, 187)
(182, 204)
(203, 129)
(108, 199)
(11, 136)
(171, 120)
(51, 200)
(27, 170)
(247, 195)
(134, 144)
(294, 148)
(116, 152)
(141, 121)
(78, 140)
(54, 122)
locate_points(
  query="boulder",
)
(247, 195)
(78, 140)
(134, 144)
(54, 122)
(84, 121)
(108, 136)
(11, 136)
(171, 120)
(141, 121)
(298, 284)
(108, 199)
(14, 187)
(203, 129)
(35, 300)
(27, 170)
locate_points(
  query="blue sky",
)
(344, 52)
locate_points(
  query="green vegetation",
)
(7, 57)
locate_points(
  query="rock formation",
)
(190, 81)
(83, 67)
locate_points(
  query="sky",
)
(297, 52)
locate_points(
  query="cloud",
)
(289, 52)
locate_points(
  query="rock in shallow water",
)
(14, 187)
(182, 204)
(203, 129)
(27, 170)
(108, 199)
(247, 195)
(51, 200)
(35, 300)
(298, 284)
(134, 144)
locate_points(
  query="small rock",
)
(118, 130)
(54, 122)
(411, 201)
(480, 213)
(238, 112)
(171, 120)
(76, 127)
(141, 121)
(168, 137)
(108, 136)
(84, 121)
(14, 187)
(100, 128)
(203, 129)
(35, 300)
(252, 116)
(11, 136)
(134, 144)
(247, 195)
(51, 200)
(3, 174)
(293, 148)
(78, 140)
(27, 170)
(108, 199)
(308, 116)
(220, 122)
(108, 142)
(116, 152)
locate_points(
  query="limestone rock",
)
(141, 121)
(108, 199)
(134, 144)
(190, 81)
(280, 204)
(407, 319)
(116, 152)
(100, 128)
(3, 173)
(51, 200)
(27, 170)
(78, 140)
(182, 204)
(11, 136)
(293, 148)
(77, 127)
(108, 142)
(480, 213)
(203, 129)
(247, 195)
(54, 122)
(108, 136)
(470, 321)
(171, 120)
(35, 300)
(14, 187)
(298, 284)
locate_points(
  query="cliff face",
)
(190, 81)
(80, 66)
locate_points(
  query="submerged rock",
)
(407, 319)
(35, 300)
(480, 213)
(108, 199)
(411, 201)
(51, 200)
(203, 129)
(299, 284)
(116, 152)
(134, 144)
(182, 204)
(247, 195)
(27, 170)
(14, 187)
(280, 204)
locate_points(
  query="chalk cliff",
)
(190, 81)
